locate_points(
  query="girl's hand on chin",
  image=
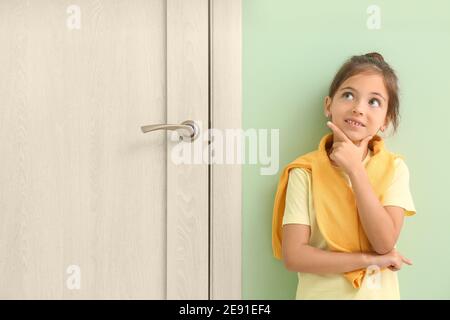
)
(344, 152)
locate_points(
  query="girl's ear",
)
(326, 106)
(386, 124)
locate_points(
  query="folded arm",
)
(299, 256)
(382, 225)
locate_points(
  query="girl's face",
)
(362, 98)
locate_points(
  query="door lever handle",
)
(188, 130)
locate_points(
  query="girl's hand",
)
(392, 260)
(345, 153)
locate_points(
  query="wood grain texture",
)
(80, 184)
(187, 198)
(226, 190)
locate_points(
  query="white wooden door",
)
(91, 207)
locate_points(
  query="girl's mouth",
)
(354, 124)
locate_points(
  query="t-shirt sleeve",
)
(297, 198)
(399, 194)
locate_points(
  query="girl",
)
(339, 210)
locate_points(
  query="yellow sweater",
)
(336, 211)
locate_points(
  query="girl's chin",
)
(355, 136)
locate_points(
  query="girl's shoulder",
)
(401, 168)
(399, 162)
(303, 174)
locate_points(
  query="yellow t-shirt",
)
(299, 209)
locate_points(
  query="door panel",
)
(80, 184)
(187, 201)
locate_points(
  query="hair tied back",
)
(375, 56)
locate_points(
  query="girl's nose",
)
(357, 110)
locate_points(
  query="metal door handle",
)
(188, 130)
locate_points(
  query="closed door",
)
(90, 206)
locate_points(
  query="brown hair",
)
(366, 63)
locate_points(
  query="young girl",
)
(339, 210)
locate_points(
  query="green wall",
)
(291, 51)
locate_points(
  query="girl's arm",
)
(382, 225)
(298, 256)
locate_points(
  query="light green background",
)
(291, 51)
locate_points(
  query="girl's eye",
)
(377, 104)
(346, 94)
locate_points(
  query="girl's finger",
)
(407, 261)
(393, 268)
(338, 132)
